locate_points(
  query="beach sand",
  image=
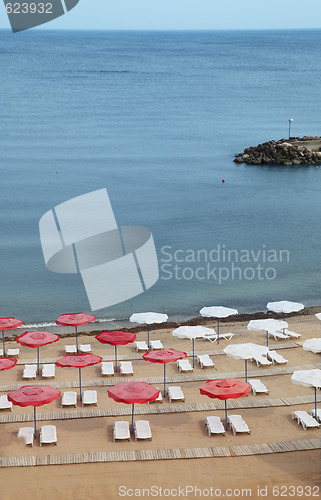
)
(178, 430)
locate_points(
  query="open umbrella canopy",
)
(133, 392)
(313, 345)
(78, 361)
(308, 378)
(245, 351)
(7, 363)
(8, 324)
(75, 319)
(192, 333)
(164, 356)
(37, 339)
(148, 318)
(33, 395)
(228, 388)
(217, 312)
(267, 325)
(285, 306)
(115, 339)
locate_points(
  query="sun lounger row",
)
(141, 345)
(141, 430)
(305, 419)
(48, 435)
(72, 349)
(69, 398)
(30, 371)
(272, 357)
(214, 337)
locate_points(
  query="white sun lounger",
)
(89, 398)
(318, 417)
(70, 349)
(126, 368)
(48, 371)
(184, 365)
(257, 386)
(69, 398)
(261, 360)
(48, 434)
(1, 352)
(85, 348)
(4, 403)
(159, 398)
(107, 368)
(175, 393)
(211, 338)
(291, 334)
(276, 357)
(155, 344)
(13, 352)
(27, 434)
(30, 371)
(121, 430)
(205, 361)
(237, 424)
(142, 430)
(279, 336)
(305, 419)
(214, 425)
(141, 345)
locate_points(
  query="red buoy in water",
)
(223, 180)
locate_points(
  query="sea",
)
(156, 118)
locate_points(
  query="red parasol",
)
(228, 388)
(75, 319)
(116, 338)
(78, 361)
(8, 324)
(33, 395)
(133, 392)
(37, 339)
(7, 363)
(164, 356)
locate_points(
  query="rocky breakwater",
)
(293, 151)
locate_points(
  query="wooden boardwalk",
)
(134, 356)
(161, 454)
(174, 379)
(81, 413)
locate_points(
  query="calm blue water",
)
(156, 119)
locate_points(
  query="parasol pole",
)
(148, 335)
(116, 356)
(133, 418)
(38, 358)
(315, 404)
(267, 339)
(218, 330)
(164, 379)
(76, 338)
(193, 351)
(4, 345)
(34, 416)
(246, 370)
(80, 382)
(225, 415)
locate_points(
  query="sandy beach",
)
(176, 427)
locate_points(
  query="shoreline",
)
(111, 325)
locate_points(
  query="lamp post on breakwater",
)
(290, 121)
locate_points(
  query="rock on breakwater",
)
(293, 151)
